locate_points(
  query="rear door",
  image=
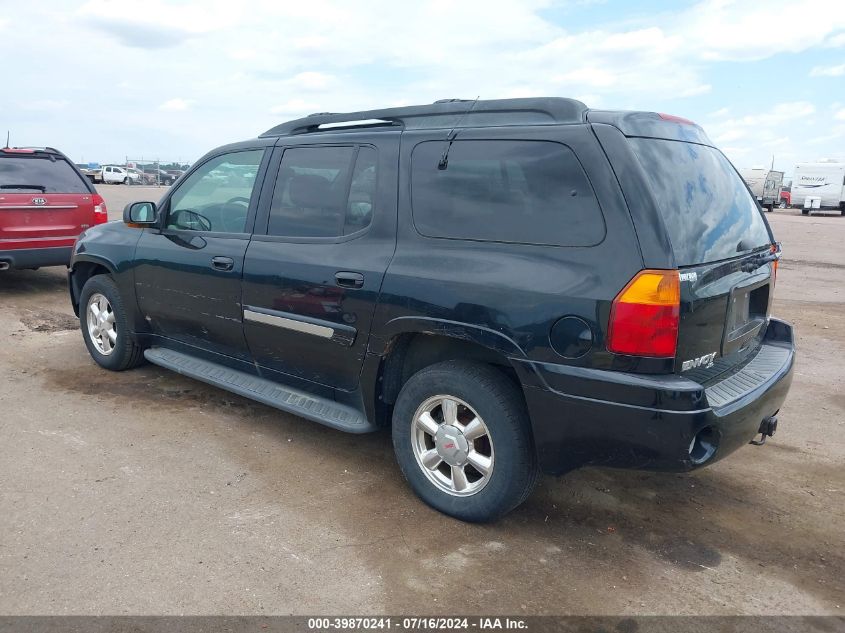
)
(44, 201)
(311, 281)
(720, 242)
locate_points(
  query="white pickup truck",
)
(109, 174)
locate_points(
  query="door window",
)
(216, 196)
(323, 192)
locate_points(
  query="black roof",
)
(447, 113)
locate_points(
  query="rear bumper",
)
(36, 257)
(584, 416)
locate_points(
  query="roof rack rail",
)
(443, 114)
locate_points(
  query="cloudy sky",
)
(106, 79)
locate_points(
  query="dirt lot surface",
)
(146, 492)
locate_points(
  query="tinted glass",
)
(320, 193)
(532, 192)
(708, 211)
(217, 195)
(35, 172)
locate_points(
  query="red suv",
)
(45, 203)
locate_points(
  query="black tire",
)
(126, 353)
(769, 208)
(805, 212)
(126, 181)
(500, 405)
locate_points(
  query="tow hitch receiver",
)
(767, 429)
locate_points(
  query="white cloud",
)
(311, 80)
(45, 105)
(151, 24)
(251, 66)
(836, 41)
(724, 30)
(176, 105)
(828, 71)
(840, 116)
(295, 108)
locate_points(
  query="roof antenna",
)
(444, 158)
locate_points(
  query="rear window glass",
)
(707, 209)
(530, 192)
(39, 173)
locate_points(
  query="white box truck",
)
(765, 184)
(819, 186)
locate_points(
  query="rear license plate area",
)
(747, 314)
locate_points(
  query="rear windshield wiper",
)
(40, 188)
(753, 263)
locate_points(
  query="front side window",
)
(216, 197)
(528, 192)
(323, 192)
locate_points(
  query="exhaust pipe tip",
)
(703, 445)
(5, 265)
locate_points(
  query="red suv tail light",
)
(101, 214)
(644, 316)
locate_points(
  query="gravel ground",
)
(148, 493)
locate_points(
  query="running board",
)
(322, 410)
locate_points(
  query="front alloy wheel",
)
(452, 445)
(105, 327)
(101, 327)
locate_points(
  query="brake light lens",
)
(675, 119)
(644, 316)
(101, 214)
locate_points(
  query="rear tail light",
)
(644, 316)
(101, 214)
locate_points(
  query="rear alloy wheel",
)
(462, 439)
(452, 445)
(104, 324)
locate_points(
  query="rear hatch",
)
(44, 202)
(724, 251)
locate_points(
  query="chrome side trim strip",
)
(289, 324)
(46, 207)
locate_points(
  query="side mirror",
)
(140, 214)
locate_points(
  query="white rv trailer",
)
(819, 186)
(765, 184)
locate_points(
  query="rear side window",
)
(706, 207)
(530, 192)
(39, 173)
(323, 192)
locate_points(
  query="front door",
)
(311, 282)
(188, 272)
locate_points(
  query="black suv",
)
(514, 286)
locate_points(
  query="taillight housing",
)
(645, 314)
(101, 214)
